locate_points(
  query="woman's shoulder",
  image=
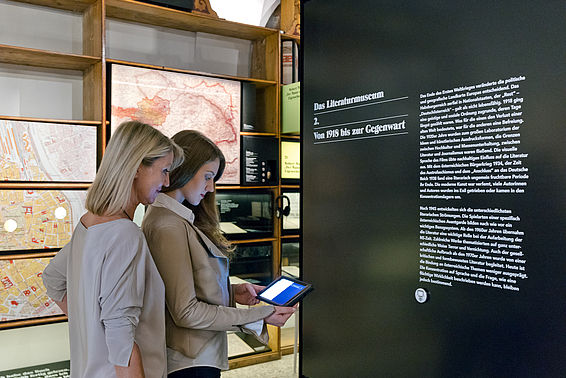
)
(157, 218)
(119, 240)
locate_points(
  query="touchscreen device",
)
(284, 291)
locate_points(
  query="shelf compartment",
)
(259, 83)
(170, 18)
(46, 59)
(70, 5)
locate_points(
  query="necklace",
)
(124, 211)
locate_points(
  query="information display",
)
(53, 370)
(245, 214)
(174, 101)
(259, 160)
(22, 293)
(253, 263)
(433, 177)
(290, 161)
(37, 151)
(292, 223)
(38, 219)
(284, 291)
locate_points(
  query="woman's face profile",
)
(150, 179)
(201, 183)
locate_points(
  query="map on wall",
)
(22, 294)
(172, 101)
(38, 219)
(35, 151)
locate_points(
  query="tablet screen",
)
(283, 291)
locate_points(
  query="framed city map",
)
(41, 151)
(23, 297)
(38, 219)
(174, 101)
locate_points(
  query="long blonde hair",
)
(132, 144)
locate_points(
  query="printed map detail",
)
(172, 102)
(22, 294)
(35, 151)
(37, 219)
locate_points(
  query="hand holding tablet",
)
(284, 291)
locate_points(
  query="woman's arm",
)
(122, 288)
(246, 293)
(55, 278)
(280, 316)
(63, 305)
(172, 248)
(134, 368)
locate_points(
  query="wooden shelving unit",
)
(92, 62)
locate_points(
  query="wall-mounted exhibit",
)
(434, 184)
(174, 101)
(245, 214)
(38, 219)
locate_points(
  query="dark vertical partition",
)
(434, 171)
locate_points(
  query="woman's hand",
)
(281, 315)
(245, 294)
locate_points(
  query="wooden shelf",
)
(290, 236)
(250, 241)
(288, 37)
(48, 120)
(290, 136)
(170, 18)
(249, 133)
(46, 59)
(31, 322)
(34, 255)
(238, 187)
(43, 185)
(70, 5)
(257, 358)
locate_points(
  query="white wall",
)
(30, 346)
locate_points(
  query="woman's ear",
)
(137, 172)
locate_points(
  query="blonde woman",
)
(191, 255)
(104, 279)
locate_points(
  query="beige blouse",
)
(200, 306)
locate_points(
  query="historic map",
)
(173, 101)
(22, 294)
(37, 219)
(34, 151)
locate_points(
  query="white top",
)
(115, 296)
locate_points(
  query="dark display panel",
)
(245, 214)
(433, 159)
(248, 106)
(184, 5)
(253, 263)
(259, 160)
